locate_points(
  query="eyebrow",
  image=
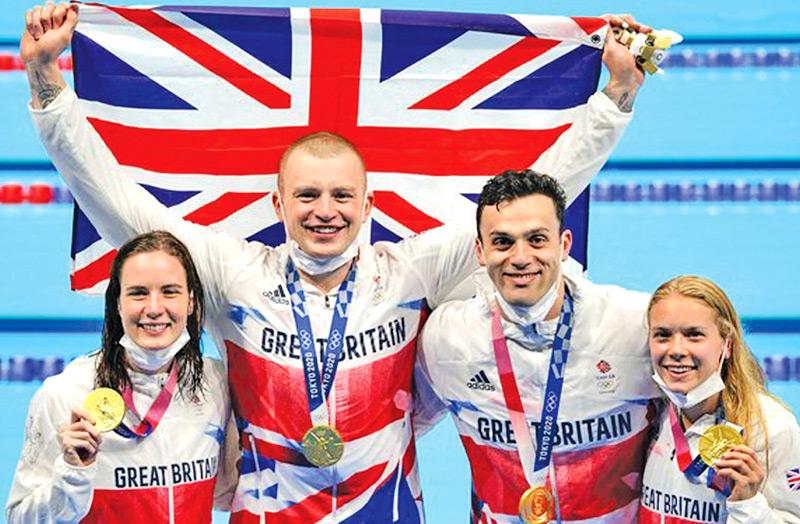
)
(139, 286)
(300, 189)
(529, 232)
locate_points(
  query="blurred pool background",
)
(706, 181)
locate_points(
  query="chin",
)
(677, 386)
(518, 299)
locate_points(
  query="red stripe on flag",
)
(207, 56)
(402, 211)
(93, 273)
(481, 152)
(178, 151)
(453, 94)
(589, 25)
(335, 69)
(258, 151)
(222, 208)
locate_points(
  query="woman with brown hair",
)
(726, 449)
(137, 429)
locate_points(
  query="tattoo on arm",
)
(46, 91)
(623, 100)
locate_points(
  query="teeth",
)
(153, 327)
(325, 229)
(679, 369)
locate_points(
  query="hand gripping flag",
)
(198, 103)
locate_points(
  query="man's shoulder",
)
(598, 298)
(451, 315)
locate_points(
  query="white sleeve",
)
(429, 408)
(117, 206)
(579, 153)
(45, 488)
(229, 450)
(445, 256)
(778, 503)
(441, 258)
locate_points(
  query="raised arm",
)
(117, 206)
(581, 151)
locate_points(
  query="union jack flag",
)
(198, 103)
(793, 479)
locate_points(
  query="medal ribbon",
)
(157, 409)
(693, 467)
(536, 472)
(318, 386)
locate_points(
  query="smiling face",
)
(323, 201)
(154, 300)
(521, 247)
(685, 342)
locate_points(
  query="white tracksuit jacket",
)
(606, 407)
(669, 497)
(167, 477)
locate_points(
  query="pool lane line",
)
(752, 325)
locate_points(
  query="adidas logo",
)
(481, 381)
(278, 295)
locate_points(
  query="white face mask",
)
(529, 315)
(320, 265)
(706, 389)
(311, 265)
(150, 360)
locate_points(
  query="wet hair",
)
(322, 144)
(744, 379)
(112, 368)
(511, 185)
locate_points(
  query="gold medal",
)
(323, 446)
(716, 441)
(537, 505)
(107, 408)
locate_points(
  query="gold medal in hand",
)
(716, 441)
(106, 407)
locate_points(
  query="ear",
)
(276, 205)
(369, 202)
(191, 303)
(727, 348)
(566, 244)
(479, 253)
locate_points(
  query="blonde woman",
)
(718, 411)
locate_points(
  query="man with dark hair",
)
(542, 355)
(510, 185)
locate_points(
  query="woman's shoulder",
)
(77, 375)
(59, 393)
(779, 419)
